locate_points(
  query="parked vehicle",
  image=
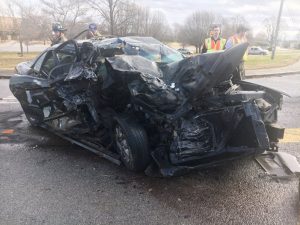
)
(257, 51)
(136, 101)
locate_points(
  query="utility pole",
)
(277, 30)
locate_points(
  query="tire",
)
(34, 115)
(131, 142)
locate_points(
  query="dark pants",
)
(239, 72)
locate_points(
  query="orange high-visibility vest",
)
(213, 46)
(236, 40)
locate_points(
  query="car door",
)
(36, 90)
(30, 88)
(53, 70)
(66, 54)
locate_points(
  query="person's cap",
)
(92, 26)
(57, 27)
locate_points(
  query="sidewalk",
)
(6, 74)
(281, 71)
(14, 46)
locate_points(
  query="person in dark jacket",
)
(92, 33)
(58, 34)
(238, 38)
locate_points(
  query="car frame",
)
(138, 102)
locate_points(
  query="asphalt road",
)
(45, 180)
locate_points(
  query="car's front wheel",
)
(131, 142)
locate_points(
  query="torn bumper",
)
(279, 164)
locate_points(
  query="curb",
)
(5, 76)
(272, 75)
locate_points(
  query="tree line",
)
(116, 17)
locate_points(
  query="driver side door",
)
(36, 90)
(30, 88)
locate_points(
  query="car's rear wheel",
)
(131, 142)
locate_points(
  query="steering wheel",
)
(43, 73)
(63, 45)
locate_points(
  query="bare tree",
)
(196, 28)
(68, 12)
(179, 35)
(141, 21)
(269, 24)
(158, 26)
(261, 39)
(109, 10)
(152, 23)
(30, 23)
(124, 17)
(230, 25)
(298, 40)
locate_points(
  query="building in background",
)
(9, 28)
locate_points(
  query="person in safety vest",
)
(215, 42)
(237, 38)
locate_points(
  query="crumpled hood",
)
(194, 75)
(219, 64)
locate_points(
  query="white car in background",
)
(257, 51)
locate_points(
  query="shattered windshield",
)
(146, 47)
(156, 52)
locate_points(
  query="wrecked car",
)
(134, 100)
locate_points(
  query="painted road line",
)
(11, 97)
(8, 100)
(7, 131)
(291, 135)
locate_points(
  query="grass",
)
(282, 58)
(8, 60)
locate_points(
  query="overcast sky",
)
(254, 11)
